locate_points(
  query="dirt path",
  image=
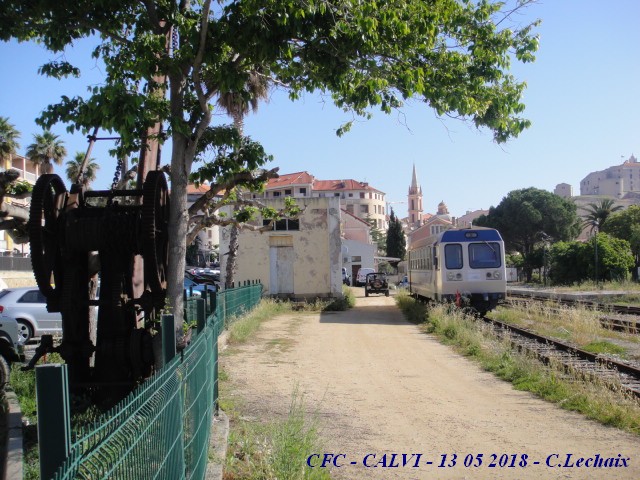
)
(379, 386)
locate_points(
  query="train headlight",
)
(452, 276)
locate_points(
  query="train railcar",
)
(463, 266)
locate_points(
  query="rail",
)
(161, 430)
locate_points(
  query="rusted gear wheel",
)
(155, 233)
(47, 203)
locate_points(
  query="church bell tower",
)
(415, 201)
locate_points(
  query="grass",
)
(24, 386)
(272, 450)
(571, 391)
(629, 291)
(577, 325)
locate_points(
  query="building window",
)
(364, 208)
(287, 192)
(370, 195)
(350, 208)
(284, 224)
(303, 191)
(276, 194)
(350, 195)
(361, 194)
(356, 259)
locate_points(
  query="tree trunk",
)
(178, 223)
(232, 256)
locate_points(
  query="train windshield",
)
(453, 256)
(484, 255)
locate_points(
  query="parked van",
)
(361, 277)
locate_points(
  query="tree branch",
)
(201, 203)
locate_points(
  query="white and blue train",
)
(461, 266)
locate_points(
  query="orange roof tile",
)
(191, 188)
(290, 179)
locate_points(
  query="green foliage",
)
(89, 172)
(568, 263)
(8, 138)
(46, 148)
(20, 187)
(625, 225)
(574, 262)
(605, 347)
(597, 213)
(347, 301)
(453, 56)
(277, 449)
(396, 244)
(378, 237)
(528, 218)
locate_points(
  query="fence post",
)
(54, 417)
(201, 314)
(168, 338)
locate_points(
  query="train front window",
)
(484, 255)
(453, 256)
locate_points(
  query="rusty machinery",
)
(123, 230)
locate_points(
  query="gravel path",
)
(379, 386)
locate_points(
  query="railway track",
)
(629, 325)
(612, 372)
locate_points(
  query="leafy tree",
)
(238, 105)
(569, 263)
(46, 148)
(597, 213)
(452, 55)
(8, 139)
(90, 169)
(574, 262)
(396, 244)
(529, 217)
(377, 236)
(626, 226)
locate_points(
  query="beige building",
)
(618, 181)
(29, 172)
(298, 259)
(357, 198)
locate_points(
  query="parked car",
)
(29, 308)
(361, 277)
(346, 279)
(195, 289)
(10, 350)
(376, 282)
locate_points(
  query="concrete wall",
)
(310, 258)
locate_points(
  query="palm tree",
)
(8, 138)
(238, 105)
(46, 148)
(597, 213)
(90, 169)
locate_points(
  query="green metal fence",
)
(161, 430)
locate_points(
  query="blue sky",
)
(583, 98)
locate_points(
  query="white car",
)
(29, 308)
(361, 277)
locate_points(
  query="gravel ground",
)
(378, 386)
